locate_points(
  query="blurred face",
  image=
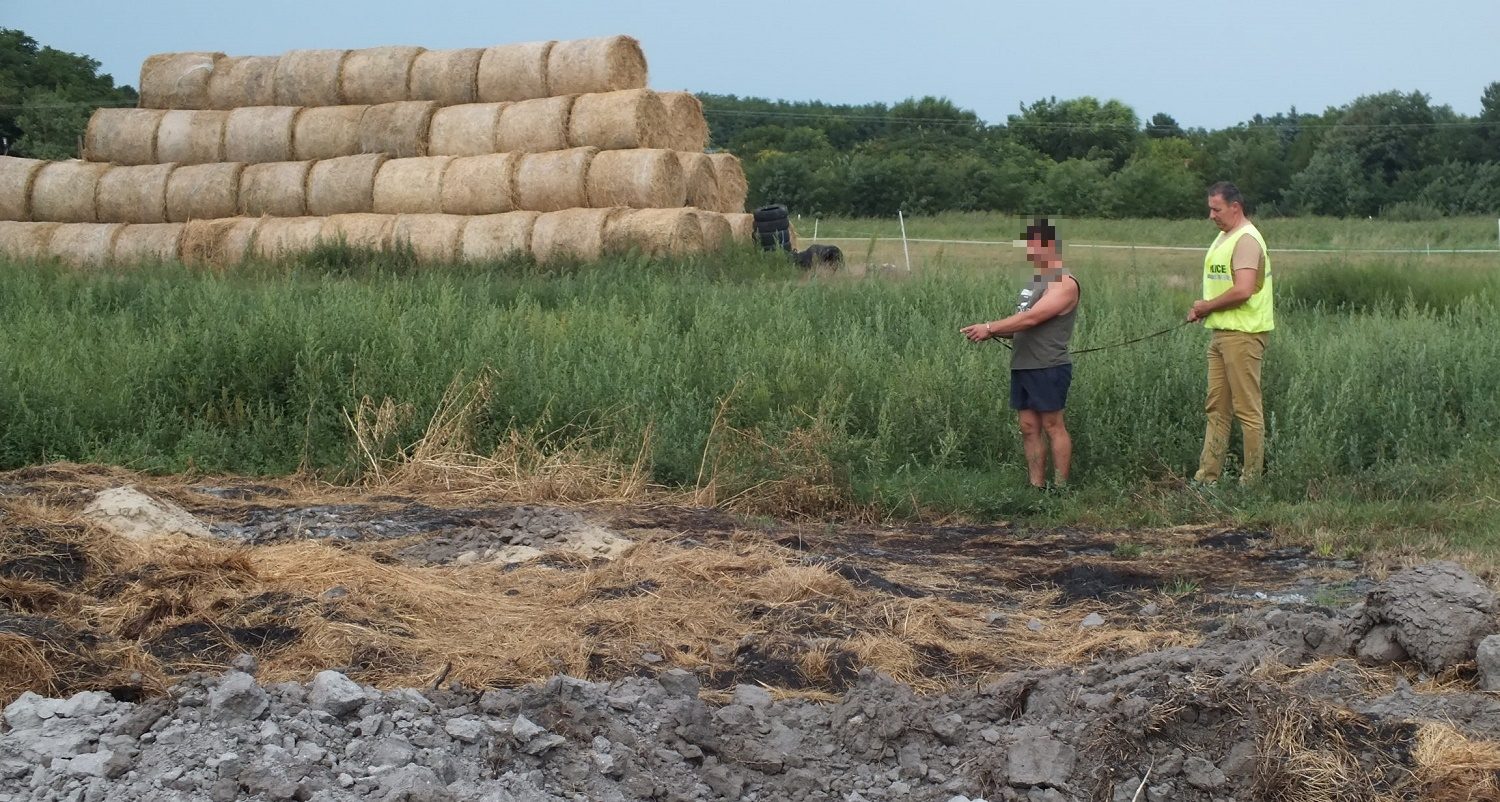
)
(1224, 214)
(1039, 251)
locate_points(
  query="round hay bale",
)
(606, 64)
(84, 244)
(641, 179)
(733, 188)
(309, 77)
(492, 237)
(534, 126)
(148, 243)
(411, 186)
(66, 192)
(122, 136)
(218, 243)
(700, 180)
(446, 77)
(372, 231)
(398, 130)
(377, 74)
(26, 242)
(717, 233)
(287, 237)
(204, 191)
(513, 72)
(345, 185)
(260, 134)
(239, 81)
(275, 189)
(633, 118)
(17, 176)
(741, 226)
(553, 181)
(467, 130)
(191, 137)
(480, 184)
(177, 80)
(655, 232)
(134, 194)
(689, 128)
(434, 238)
(570, 234)
(327, 132)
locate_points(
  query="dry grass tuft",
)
(1453, 768)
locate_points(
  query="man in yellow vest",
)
(1236, 307)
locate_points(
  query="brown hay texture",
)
(148, 243)
(700, 180)
(655, 232)
(204, 191)
(643, 179)
(345, 185)
(286, 237)
(494, 237)
(398, 130)
(480, 184)
(327, 132)
(66, 192)
(467, 130)
(84, 244)
(260, 134)
(570, 234)
(191, 137)
(534, 126)
(122, 136)
(239, 81)
(218, 243)
(689, 127)
(177, 80)
(134, 194)
(26, 242)
(374, 75)
(446, 77)
(605, 64)
(618, 120)
(717, 233)
(553, 181)
(741, 226)
(733, 188)
(309, 77)
(275, 189)
(372, 231)
(513, 72)
(411, 186)
(434, 238)
(16, 178)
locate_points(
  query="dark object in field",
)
(819, 256)
(773, 229)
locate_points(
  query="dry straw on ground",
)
(643, 178)
(287, 237)
(134, 194)
(204, 191)
(177, 80)
(513, 72)
(605, 64)
(398, 130)
(377, 74)
(16, 178)
(191, 137)
(260, 134)
(220, 243)
(1455, 768)
(65, 192)
(617, 120)
(741, 226)
(309, 77)
(467, 130)
(446, 77)
(327, 132)
(700, 180)
(148, 243)
(372, 231)
(26, 242)
(411, 186)
(434, 238)
(345, 185)
(84, 244)
(494, 237)
(239, 81)
(689, 127)
(733, 188)
(570, 234)
(553, 181)
(534, 126)
(122, 136)
(277, 189)
(480, 184)
(717, 234)
(655, 232)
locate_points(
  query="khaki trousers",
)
(1234, 359)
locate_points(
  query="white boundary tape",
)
(1199, 249)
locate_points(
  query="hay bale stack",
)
(733, 188)
(553, 181)
(446, 77)
(275, 189)
(493, 237)
(644, 178)
(239, 81)
(617, 120)
(372, 231)
(655, 232)
(84, 244)
(534, 126)
(327, 132)
(717, 233)
(17, 176)
(134, 194)
(149, 243)
(66, 192)
(741, 226)
(26, 242)
(377, 74)
(218, 243)
(576, 234)
(345, 185)
(606, 64)
(204, 191)
(398, 130)
(480, 184)
(434, 238)
(260, 134)
(286, 237)
(122, 136)
(467, 130)
(191, 137)
(513, 72)
(177, 80)
(309, 77)
(411, 186)
(700, 180)
(689, 127)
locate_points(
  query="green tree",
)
(1076, 187)
(1335, 183)
(1080, 128)
(1163, 126)
(46, 95)
(1157, 182)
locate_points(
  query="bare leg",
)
(1036, 450)
(1062, 444)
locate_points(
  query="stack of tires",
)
(773, 229)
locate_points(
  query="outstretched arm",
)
(1056, 301)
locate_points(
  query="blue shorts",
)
(1040, 389)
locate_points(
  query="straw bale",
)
(147, 243)
(84, 244)
(371, 231)
(191, 137)
(717, 232)
(122, 136)
(377, 74)
(643, 179)
(239, 81)
(655, 232)
(277, 189)
(327, 132)
(617, 120)
(66, 192)
(481, 184)
(446, 77)
(700, 180)
(605, 64)
(26, 242)
(570, 234)
(218, 243)
(134, 194)
(344, 185)
(741, 226)
(467, 130)
(309, 77)
(287, 237)
(204, 191)
(16, 177)
(177, 80)
(411, 186)
(513, 72)
(689, 127)
(533, 126)
(553, 181)
(492, 237)
(434, 238)
(398, 130)
(260, 134)
(733, 188)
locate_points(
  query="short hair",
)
(1228, 191)
(1042, 230)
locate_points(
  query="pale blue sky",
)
(1207, 63)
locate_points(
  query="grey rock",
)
(237, 698)
(1439, 610)
(678, 682)
(523, 729)
(245, 662)
(1035, 757)
(467, 730)
(724, 781)
(753, 696)
(1488, 657)
(86, 703)
(1035, 625)
(1150, 610)
(335, 693)
(105, 763)
(1091, 621)
(1201, 773)
(395, 751)
(26, 712)
(412, 784)
(1380, 646)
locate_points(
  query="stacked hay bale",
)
(556, 149)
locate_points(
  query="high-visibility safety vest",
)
(1254, 315)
